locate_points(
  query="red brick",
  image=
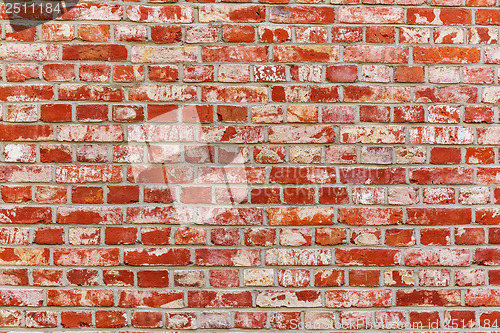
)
(169, 14)
(166, 34)
(41, 319)
(110, 319)
(260, 237)
(210, 298)
(234, 54)
(285, 320)
(149, 279)
(49, 236)
(329, 278)
(379, 54)
(120, 235)
(409, 74)
(302, 14)
(70, 319)
(118, 277)
(75, 297)
(227, 257)
(435, 236)
(94, 33)
(487, 17)
(253, 320)
(446, 54)
(123, 194)
(417, 297)
(306, 53)
(138, 257)
(201, 34)
(236, 14)
(55, 112)
(149, 298)
(357, 298)
(57, 72)
(441, 175)
(445, 155)
(446, 16)
(342, 73)
(367, 257)
(425, 319)
(364, 278)
(147, 319)
(82, 277)
(224, 278)
(20, 73)
(370, 216)
(238, 33)
(382, 34)
(347, 34)
(101, 52)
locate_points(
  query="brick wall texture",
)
(250, 166)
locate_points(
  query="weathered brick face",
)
(260, 166)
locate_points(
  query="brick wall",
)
(266, 166)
